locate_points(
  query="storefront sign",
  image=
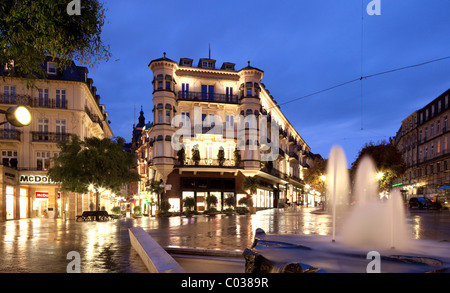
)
(44, 194)
(35, 179)
(10, 176)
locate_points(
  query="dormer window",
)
(51, 67)
(186, 62)
(206, 64)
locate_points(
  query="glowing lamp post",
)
(17, 116)
(379, 176)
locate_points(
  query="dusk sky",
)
(302, 46)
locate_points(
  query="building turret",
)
(164, 108)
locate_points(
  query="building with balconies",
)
(65, 103)
(423, 141)
(229, 127)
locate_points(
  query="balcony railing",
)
(10, 134)
(26, 100)
(94, 118)
(206, 163)
(293, 155)
(208, 97)
(49, 136)
(274, 172)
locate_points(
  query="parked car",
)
(419, 202)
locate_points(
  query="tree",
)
(155, 187)
(211, 202)
(237, 157)
(33, 30)
(388, 161)
(230, 201)
(251, 184)
(312, 176)
(93, 164)
(221, 156)
(181, 154)
(189, 204)
(195, 154)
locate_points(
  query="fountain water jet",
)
(374, 222)
(337, 184)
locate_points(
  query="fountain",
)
(337, 185)
(369, 227)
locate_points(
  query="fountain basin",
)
(320, 253)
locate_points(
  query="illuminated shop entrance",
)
(201, 188)
(40, 204)
(23, 203)
(9, 202)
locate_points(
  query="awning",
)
(444, 187)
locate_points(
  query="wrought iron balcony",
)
(27, 100)
(10, 134)
(208, 97)
(207, 163)
(38, 136)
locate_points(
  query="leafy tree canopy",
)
(32, 30)
(100, 162)
(387, 158)
(251, 184)
(312, 175)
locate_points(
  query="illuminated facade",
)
(423, 141)
(64, 104)
(221, 112)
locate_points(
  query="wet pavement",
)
(41, 245)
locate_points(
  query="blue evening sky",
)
(302, 46)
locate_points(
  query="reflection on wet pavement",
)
(41, 245)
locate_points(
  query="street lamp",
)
(17, 116)
(380, 175)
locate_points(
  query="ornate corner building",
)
(65, 103)
(214, 105)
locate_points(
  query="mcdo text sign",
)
(35, 179)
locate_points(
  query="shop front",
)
(200, 200)
(200, 189)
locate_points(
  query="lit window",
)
(43, 160)
(43, 98)
(9, 94)
(61, 99)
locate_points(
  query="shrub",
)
(137, 211)
(115, 210)
(230, 201)
(189, 203)
(165, 206)
(242, 210)
(211, 201)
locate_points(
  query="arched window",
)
(159, 81)
(168, 79)
(159, 113)
(168, 112)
